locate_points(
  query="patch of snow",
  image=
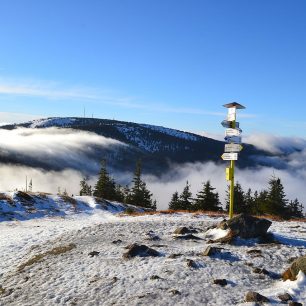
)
(75, 278)
(216, 233)
(49, 122)
(172, 132)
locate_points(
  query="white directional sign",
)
(233, 139)
(233, 147)
(231, 117)
(228, 124)
(229, 156)
(232, 132)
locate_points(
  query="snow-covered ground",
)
(31, 274)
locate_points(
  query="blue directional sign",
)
(228, 124)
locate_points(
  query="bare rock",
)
(188, 237)
(295, 304)
(173, 256)
(117, 241)
(286, 297)
(140, 250)
(221, 282)
(247, 226)
(211, 251)
(253, 296)
(93, 253)
(298, 265)
(175, 292)
(154, 277)
(184, 230)
(191, 263)
(260, 271)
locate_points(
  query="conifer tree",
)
(185, 198)
(276, 203)
(139, 195)
(295, 209)
(105, 186)
(85, 189)
(239, 200)
(207, 199)
(174, 203)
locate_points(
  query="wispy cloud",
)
(9, 117)
(55, 91)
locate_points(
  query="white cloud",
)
(54, 147)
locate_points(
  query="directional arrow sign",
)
(228, 124)
(233, 147)
(229, 156)
(233, 139)
(233, 132)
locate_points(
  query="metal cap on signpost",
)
(233, 146)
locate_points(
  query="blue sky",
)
(165, 62)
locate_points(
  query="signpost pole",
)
(232, 185)
(233, 147)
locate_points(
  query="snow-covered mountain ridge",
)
(156, 146)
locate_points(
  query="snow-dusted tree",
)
(139, 194)
(207, 199)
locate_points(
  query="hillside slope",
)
(156, 146)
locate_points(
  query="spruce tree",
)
(207, 199)
(239, 200)
(185, 198)
(85, 189)
(139, 195)
(276, 203)
(105, 186)
(295, 209)
(174, 203)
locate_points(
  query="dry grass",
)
(204, 213)
(70, 200)
(55, 251)
(5, 197)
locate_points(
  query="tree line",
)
(272, 200)
(106, 187)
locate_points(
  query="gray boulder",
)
(246, 226)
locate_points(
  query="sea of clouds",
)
(70, 151)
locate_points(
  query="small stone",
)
(285, 297)
(210, 251)
(117, 241)
(253, 296)
(153, 277)
(260, 271)
(184, 230)
(173, 256)
(221, 282)
(93, 253)
(191, 263)
(140, 250)
(254, 251)
(187, 237)
(175, 292)
(295, 304)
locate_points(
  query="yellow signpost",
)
(235, 139)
